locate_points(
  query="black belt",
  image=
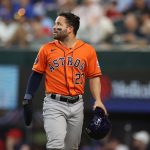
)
(71, 100)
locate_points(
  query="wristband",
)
(27, 97)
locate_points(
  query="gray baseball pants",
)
(62, 123)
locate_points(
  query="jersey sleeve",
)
(40, 61)
(93, 69)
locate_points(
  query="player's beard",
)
(60, 34)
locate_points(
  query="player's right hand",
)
(99, 104)
(27, 106)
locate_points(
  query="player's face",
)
(61, 29)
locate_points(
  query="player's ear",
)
(70, 29)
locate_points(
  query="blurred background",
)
(120, 32)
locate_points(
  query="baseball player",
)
(66, 63)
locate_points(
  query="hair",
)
(72, 20)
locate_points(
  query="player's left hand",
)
(101, 105)
(27, 106)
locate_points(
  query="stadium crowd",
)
(104, 23)
(15, 140)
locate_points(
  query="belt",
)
(68, 99)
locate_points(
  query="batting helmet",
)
(99, 126)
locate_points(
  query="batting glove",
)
(27, 106)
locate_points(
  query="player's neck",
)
(69, 42)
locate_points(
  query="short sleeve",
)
(93, 68)
(40, 61)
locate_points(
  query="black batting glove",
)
(28, 110)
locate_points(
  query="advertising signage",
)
(9, 75)
(120, 95)
(126, 81)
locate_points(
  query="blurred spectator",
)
(130, 32)
(6, 9)
(15, 33)
(13, 138)
(23, 6)
(112, 12)
(39, 12)
(42, 26)
(145, 25)
(94, 26)
(22, 36)
(138, 7)
(7, 30)
(140, 141)
(29, 23)
(39, 34)
(122, 5)
(32, 33)
(66, 5)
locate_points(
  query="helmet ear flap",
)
(99, 126)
